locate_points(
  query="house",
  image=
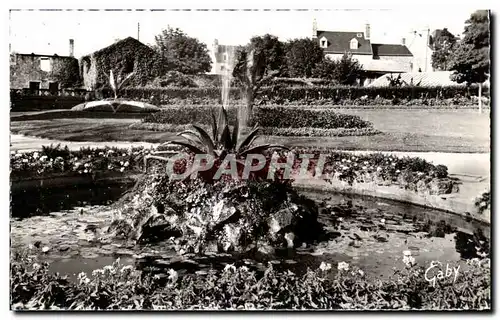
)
(223, 57)
(376, 58)
(38, 71)
(123, 57)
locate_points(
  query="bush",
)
(174, 79)
(272, 117)
(293, 91)
(119, 287)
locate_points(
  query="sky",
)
(48, 32)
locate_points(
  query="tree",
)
(471, 59)
(302, 55)
(183, 53)
(443, 45)
(256, 64)
(345, 71)
(325, 69)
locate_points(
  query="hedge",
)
(276, 117)
(296, 132)
(281, 94)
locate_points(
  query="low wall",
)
(445, 202)
(20, 184)
(30, 103)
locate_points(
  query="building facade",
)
(376, 58)
(36, 71)
(223, 58)
(123, 57)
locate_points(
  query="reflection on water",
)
(368, 232)
(40, 201)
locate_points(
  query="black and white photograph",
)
(250, 159)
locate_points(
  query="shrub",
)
(124, 288)
(174, 79)
(276, 117)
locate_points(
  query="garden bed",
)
(272, 120)
(121, 287)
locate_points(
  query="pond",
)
(70, 225)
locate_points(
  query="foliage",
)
(117, 83)
(483, 202)
(54, 160)
(443, 46)
(256, 64)
(123, 57)
(279, 117)
(238, 287)
(185, 54)
(66, 71)
(314, 95)
(347, 70)
(325, 69)
(302, 56)
(273, 131)
(222, 142)
(471, 59)
(296, 118)
(174, 79)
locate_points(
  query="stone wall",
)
(26, 68)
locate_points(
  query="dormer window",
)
(353, 44)
(323, 42)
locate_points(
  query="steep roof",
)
(339, 42)
(380, 49)
(129, 41)
(426, 79)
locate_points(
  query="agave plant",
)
(221, 143)
(116, 83)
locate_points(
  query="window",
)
(225, 56)
(53, 87)
(34, 85)
(353, 44)
(45, 64)
(323, 43)
(359, 35)
(221, 68)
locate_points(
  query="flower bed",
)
(125, 288)
(304, 132)
(273, 121)
(414, 174)
(56, 161)
(278, 117)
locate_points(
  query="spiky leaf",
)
(235, 133)
(248, 140)
(214, 128)
(194, 149)
(205, 139)
(225, 139)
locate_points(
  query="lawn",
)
(403, 130)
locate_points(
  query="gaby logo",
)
(436, 273)
(302, 165)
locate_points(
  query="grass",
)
(403, 130)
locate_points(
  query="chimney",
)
(403, 41)
(315, 29)
(71, 47)
(367, 31)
